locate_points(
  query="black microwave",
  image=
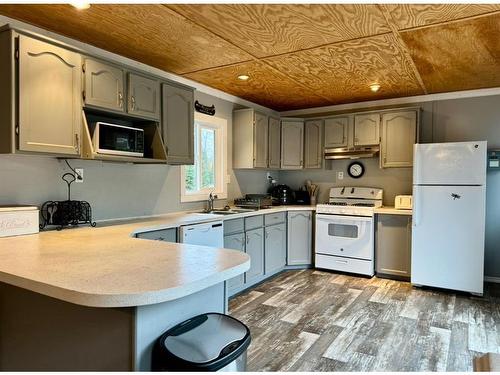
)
(112, 139)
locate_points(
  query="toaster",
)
(403, 202)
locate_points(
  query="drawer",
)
(253, 222)
(276, 218)
(330, 262)
(233, 226)
(168, 235)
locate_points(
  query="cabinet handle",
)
(77, 143)
(267, 234)
(133, 103)
(120, 99)
(247, 237)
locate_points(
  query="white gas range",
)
(345, 238)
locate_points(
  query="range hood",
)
(351, 152)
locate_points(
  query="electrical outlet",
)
(79, 175)
(340, 175)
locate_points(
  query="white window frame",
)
(220, 127)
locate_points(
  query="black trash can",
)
(207, 342)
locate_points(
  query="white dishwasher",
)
(207, 234)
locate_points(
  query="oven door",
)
(348, 236)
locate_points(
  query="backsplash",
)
(394, 181)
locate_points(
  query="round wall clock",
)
(356, 169)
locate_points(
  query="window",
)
(208, 174)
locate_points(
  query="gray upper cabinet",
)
(143, 96)
(336, 132)
(299, 238)
(250, 139)
(274, 143)
(260, 140)
(254, 240)
(399, 134)
(313, 148)
(50, 106)
(367, 129)
(292, 144)
(393, 245)
(178, 123)
(104, 86)
(275, 248)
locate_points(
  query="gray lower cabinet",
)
(168, 235)
(49, 98)
(178, 123)
(143, 96)
(393, 245)
(254, 246)
(235, 242)
(104, 85)
(275, 248)
(299, 251)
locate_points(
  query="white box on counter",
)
(18, 220)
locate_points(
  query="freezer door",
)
(448, 237)
(461, 163)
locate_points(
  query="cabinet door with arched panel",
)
(104, 86)
(49, 98)
(143, 96)
(178, 123)
(367, 129)
(399, 134)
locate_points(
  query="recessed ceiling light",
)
(80, 4)
(243, 77)
(375, 87)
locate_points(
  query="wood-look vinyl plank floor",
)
(310, 320)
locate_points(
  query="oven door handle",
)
(342, 218)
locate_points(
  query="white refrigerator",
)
(449, 194)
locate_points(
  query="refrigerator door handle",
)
(416, 203)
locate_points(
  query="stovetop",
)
(357, 201)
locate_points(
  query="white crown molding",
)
(98, 52)
(395, 101)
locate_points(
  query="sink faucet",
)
(210, 202)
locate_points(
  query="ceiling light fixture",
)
(375, 87)
(80, 4)
(243, 77)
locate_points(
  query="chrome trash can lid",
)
(206, 342)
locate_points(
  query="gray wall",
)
(116, 190)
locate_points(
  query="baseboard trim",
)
(492, 279)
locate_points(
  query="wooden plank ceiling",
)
(297, 56)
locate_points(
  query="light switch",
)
(340, 175)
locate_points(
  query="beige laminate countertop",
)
(107, 267)
(388, 210)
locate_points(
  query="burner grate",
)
(364, 204)
(338, 203)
